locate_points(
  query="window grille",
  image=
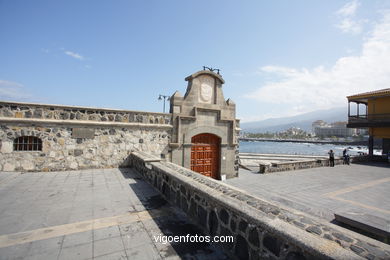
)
(27, 143)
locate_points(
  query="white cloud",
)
(305, 90)
(74, 55)
(348, 25)
(12, 90)
(349, 9)
(279, 70)
(347, 22)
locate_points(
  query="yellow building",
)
(371, 110)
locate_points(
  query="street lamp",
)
(166, 98)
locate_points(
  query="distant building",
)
(338, 129)
(294, 131)
(372, 111)
(361, 131)
(318, 123)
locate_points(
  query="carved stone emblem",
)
(206, 89)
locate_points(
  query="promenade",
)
(114, 214)
(356, 189)
(90, 214)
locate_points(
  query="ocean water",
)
(300, 148)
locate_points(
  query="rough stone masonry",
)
(77, 137)
(81, 137)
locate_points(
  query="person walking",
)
(331, 158)
(346, 157)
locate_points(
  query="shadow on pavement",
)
(166, 220)
(374, 164)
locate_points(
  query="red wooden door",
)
(205, 155)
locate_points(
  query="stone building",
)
(42, 137)
(204, 135)
(39, 137)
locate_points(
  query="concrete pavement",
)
(90, 214)
(356, 188)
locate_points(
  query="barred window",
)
(27, 143)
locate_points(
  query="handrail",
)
(370, 117)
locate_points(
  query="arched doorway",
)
(205, 154)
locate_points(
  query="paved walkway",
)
(91, 214)
(357, 189)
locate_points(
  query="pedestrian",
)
(346, 158)
(331, 158)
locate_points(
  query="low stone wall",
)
(296, 165)
(78, 138)
(260, 229)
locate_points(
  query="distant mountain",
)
(302, 121)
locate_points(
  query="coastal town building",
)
(338, 129)
(200, 133)
(371, 110)
(318, 123)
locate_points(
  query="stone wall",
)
(78, 138)
(296, 165)
(74, 113)
(260, 229)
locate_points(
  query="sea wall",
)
(78, 137)
(296, 165)
(260, 229)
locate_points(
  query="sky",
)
(278, 58)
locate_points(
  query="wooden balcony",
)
(369, 120)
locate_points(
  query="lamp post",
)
(166, 98)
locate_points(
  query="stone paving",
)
(355, 188)
(90, 214)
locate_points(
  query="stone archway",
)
(205, 154)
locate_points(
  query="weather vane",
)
(211, 69)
